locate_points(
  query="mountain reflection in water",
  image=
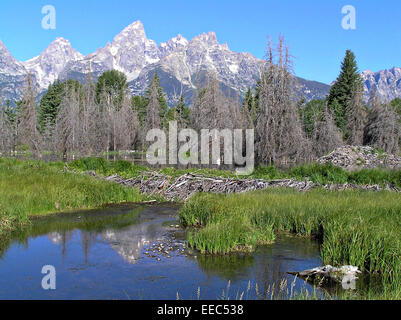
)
(132, 251)
(127, 241)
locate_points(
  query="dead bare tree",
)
(88, 116)
(356, 117)
(326, 136)
(127, 125)
(383, 129)
(6, 132)
(213, 109)
(68, 128)
(28, 133)
(279, 133)
(48, 137)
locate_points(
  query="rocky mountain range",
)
(387, 83)
(180, 64)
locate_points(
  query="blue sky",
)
(312, 28)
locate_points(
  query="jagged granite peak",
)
(129, 53)
(387, 83)
(12, 75)
(177, 43)
(132, 50)
(8, 64)
(47, 66)
(181, 63)
(208, 38)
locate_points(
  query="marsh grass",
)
(281, 290)
(353, 227)
(29, 188)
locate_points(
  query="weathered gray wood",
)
(183, 187)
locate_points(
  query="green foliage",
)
(10, 111)
(341, 91)
(269, 172)
(310, 113)
(221, 233)
(396, 103)
(113, 83)
(339, 114)
(323, 174)
(180, 113)
(354, 227)
(106, 168)
(33, 188)
(161, 99)
(251, 104)
(139, 103)
(50, 101)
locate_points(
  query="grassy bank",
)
(30, 188)
(358, 228)
(323, 174)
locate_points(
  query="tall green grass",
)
(354, 227)
(105, 167)
(30, 188)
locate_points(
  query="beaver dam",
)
(183, 187)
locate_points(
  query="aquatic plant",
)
(354, 227)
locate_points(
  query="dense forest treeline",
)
(101, 116)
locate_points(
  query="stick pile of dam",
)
(186, 185)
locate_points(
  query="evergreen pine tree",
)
(50, 102)
(114, 83)
(249, 103)
(181, 113)
(341, 92)
(163, 106)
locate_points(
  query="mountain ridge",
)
(178, 60)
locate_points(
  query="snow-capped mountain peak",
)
(387, 83)
(130, 51)
(47, 66)
(174, 44)
(177, 61)
(207, 39)
(8, 64)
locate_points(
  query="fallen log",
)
(345, 275)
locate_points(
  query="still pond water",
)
(139, 252)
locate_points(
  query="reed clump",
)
(354, 227)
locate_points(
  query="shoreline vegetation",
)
(33, 188)
(352, 226)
